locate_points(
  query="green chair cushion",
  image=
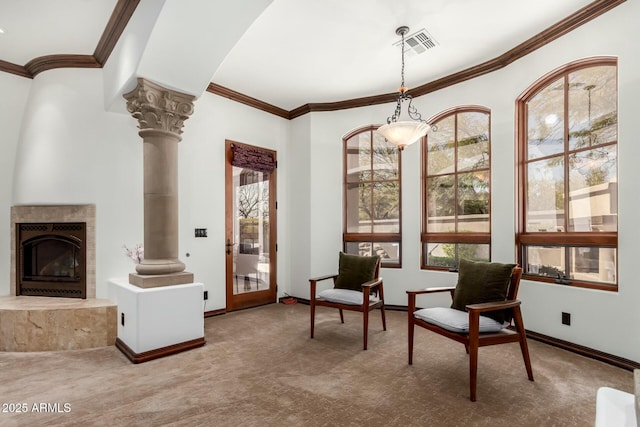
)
(354, 270)
(480, 282)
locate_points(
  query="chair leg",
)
(341, 316)
(365, 327)
(313, 315)
(312, 303)
(517, 317)
(411, 308)
(384, 320)
(473, 344)
(473, 370)
(411, 330)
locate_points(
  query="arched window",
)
(567, 139)
(456, 161)
(372, 197)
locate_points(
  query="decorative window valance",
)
(252, 158)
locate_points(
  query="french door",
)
(250, 246)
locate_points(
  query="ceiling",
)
(310, 51)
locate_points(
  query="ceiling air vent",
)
(418, 42)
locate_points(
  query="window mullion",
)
(371, 183)
(566, 153)
(455, 177)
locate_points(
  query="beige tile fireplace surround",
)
(30, 323)
(57, 213)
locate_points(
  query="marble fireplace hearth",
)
(50, 324)
(39, 323)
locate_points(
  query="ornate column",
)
(161, 114)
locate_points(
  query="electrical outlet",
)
(206, 295)
(566, 318)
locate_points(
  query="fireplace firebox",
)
(51, 259)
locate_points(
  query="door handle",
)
(229, 245)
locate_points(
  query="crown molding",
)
(342, 105)
(49, 62)
(11, 68)
(124, 9)
(120, 16)
(568, 24)
(117, 23)
(247, 100)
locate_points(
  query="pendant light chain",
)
(402, 87)
(404, 132)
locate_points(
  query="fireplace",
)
(53, 251)
(51, 259)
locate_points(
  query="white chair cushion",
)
(456, 320)
(345, 296)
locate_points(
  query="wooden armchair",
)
(357, 287)
(474, 328)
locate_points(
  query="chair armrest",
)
(328, 276)
(492, 306)
(372, 284)
(314, 281)
(411, 305)
(474, 315)
(432, 290)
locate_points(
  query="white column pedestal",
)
(615, 408)
(157, 322)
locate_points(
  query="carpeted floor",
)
(259, 368)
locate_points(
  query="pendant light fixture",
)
(404, 132)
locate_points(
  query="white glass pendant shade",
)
(403, 133)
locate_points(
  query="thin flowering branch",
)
(136, 253)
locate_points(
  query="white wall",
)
(197, 50)
(15, 91)
(299, 207)
(605, 321)
(602, 320)
(73, 152)
(202, 185)
(120, 70)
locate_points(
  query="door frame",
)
(260, 297)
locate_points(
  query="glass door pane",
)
(250, 230)
(250, 226)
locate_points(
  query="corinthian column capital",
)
(159, 108)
